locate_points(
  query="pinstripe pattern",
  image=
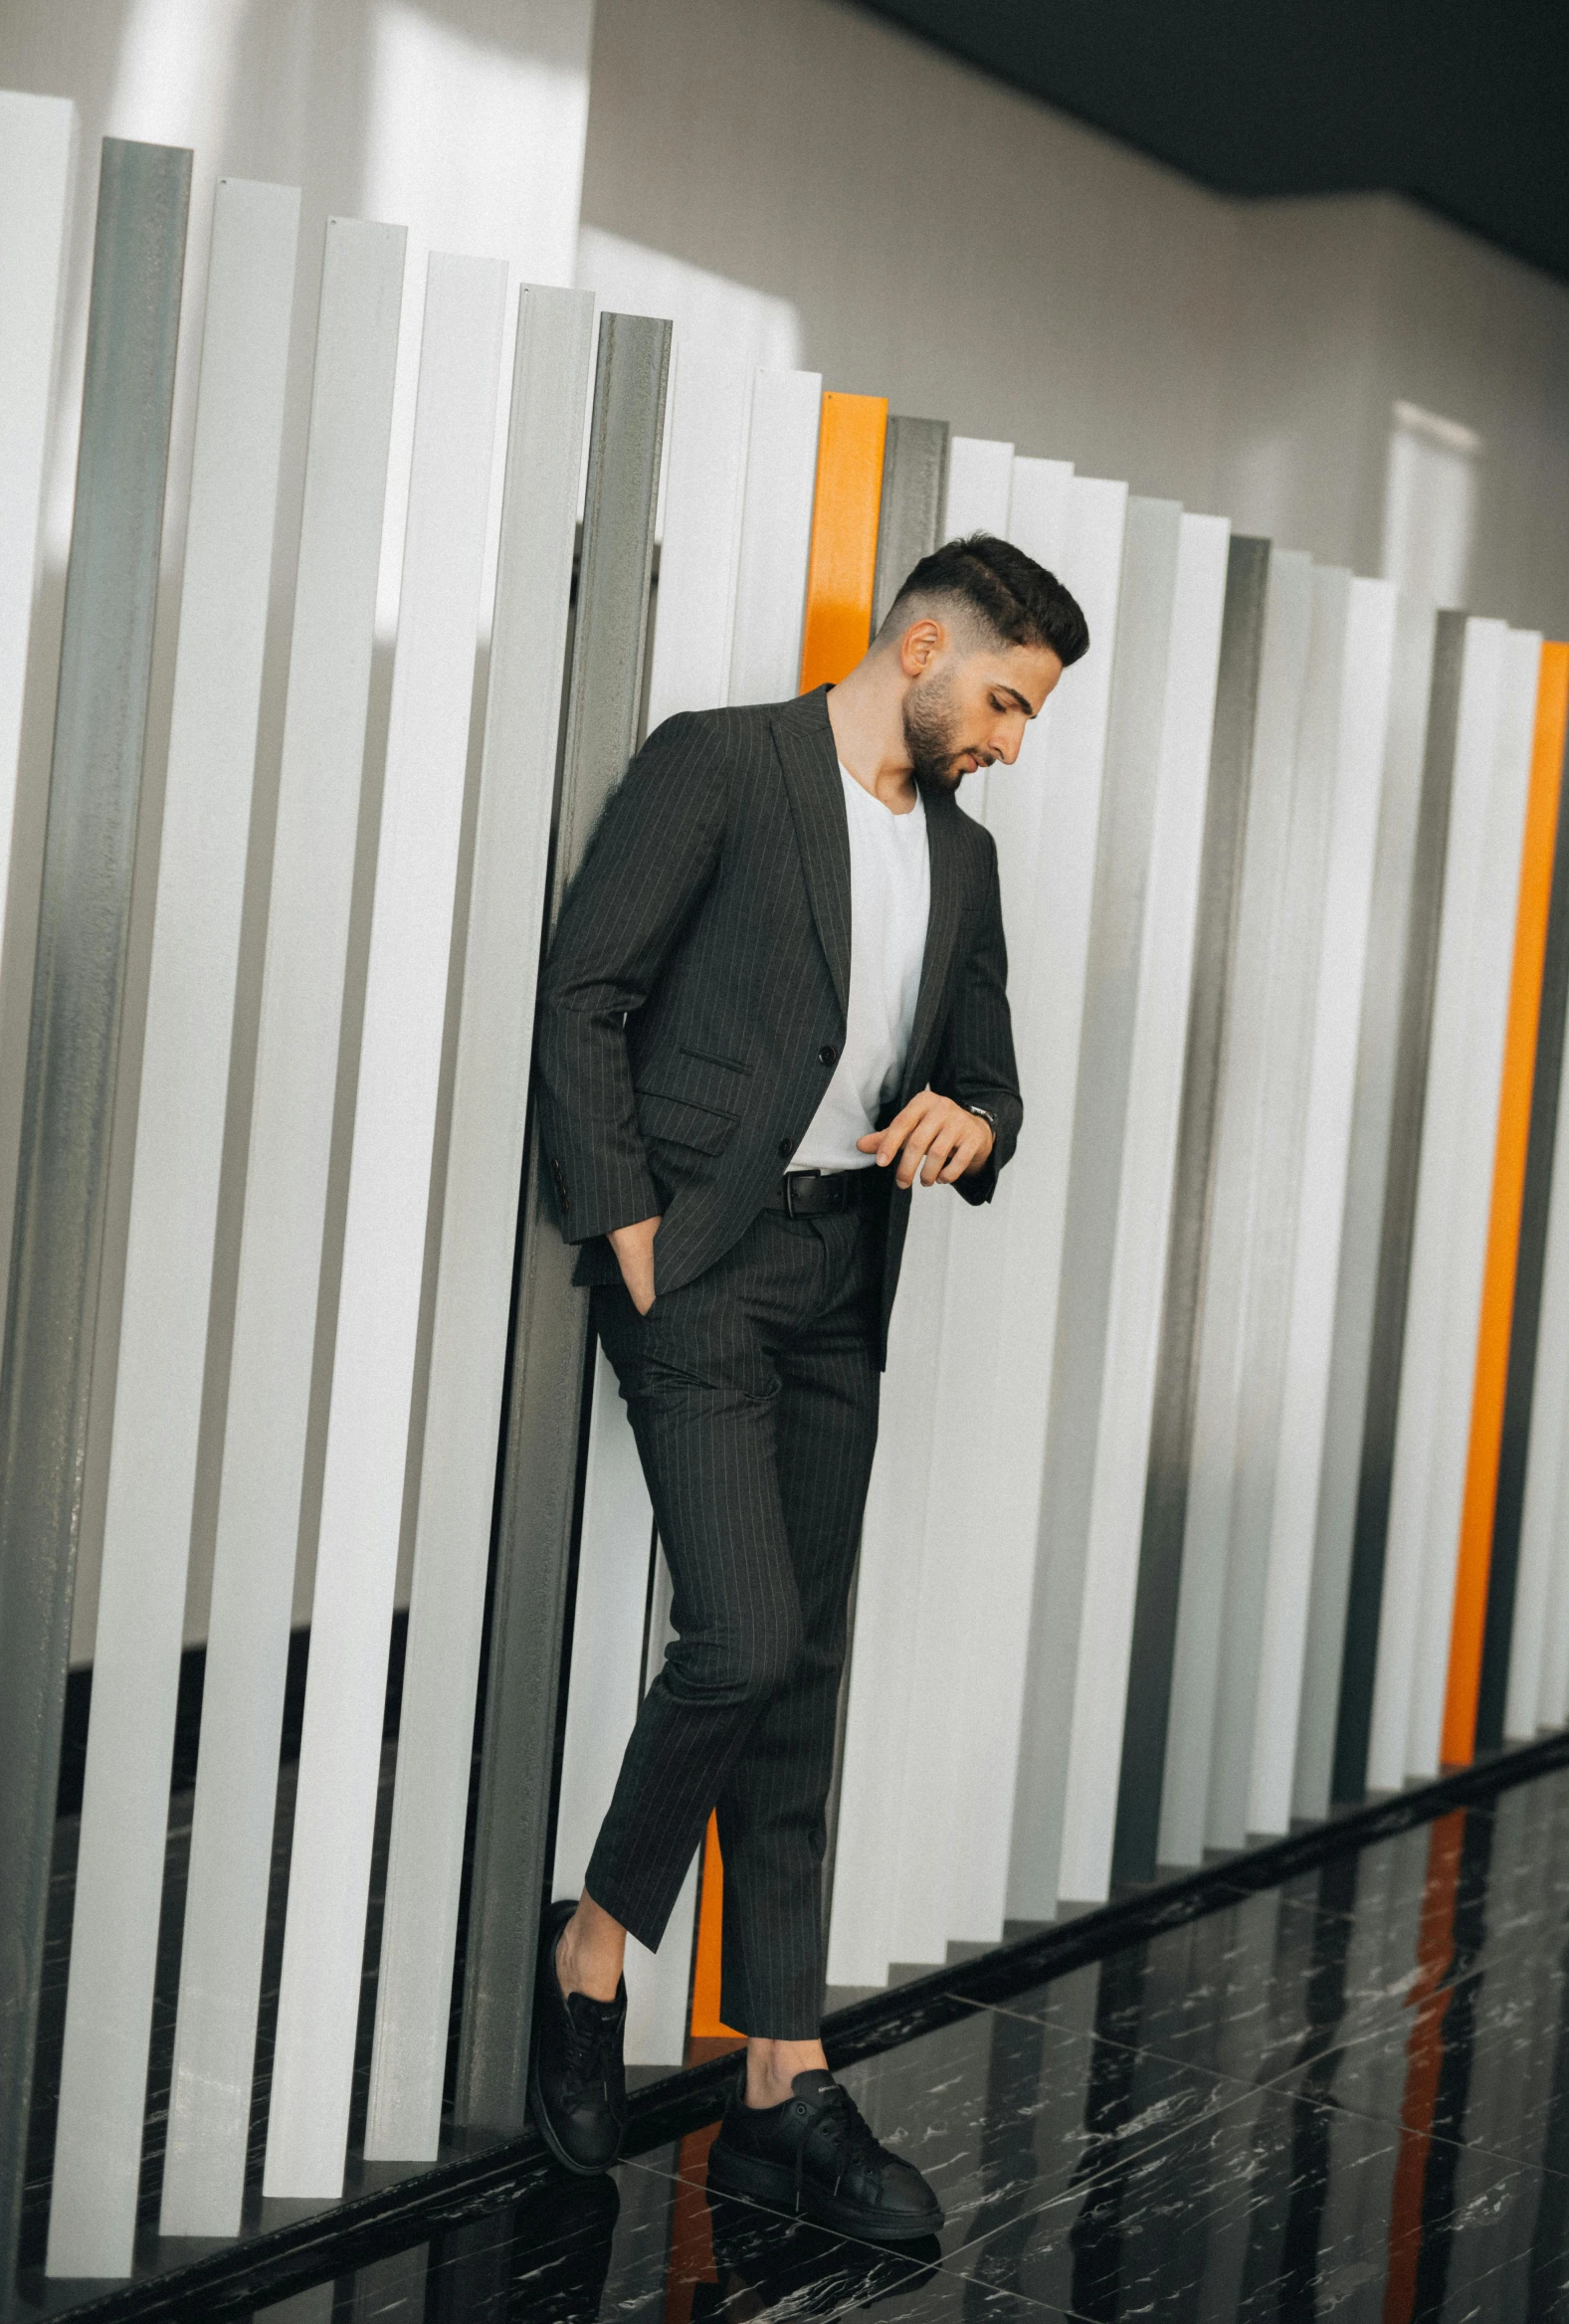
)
(753, 1395)
(693, 1009)
(694, 1004)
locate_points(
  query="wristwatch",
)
(985, 1114)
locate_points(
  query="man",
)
(776, 993)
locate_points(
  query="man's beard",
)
(928, 735)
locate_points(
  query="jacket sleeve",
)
(647, 864)
(975, 1062)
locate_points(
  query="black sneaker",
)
(814, 2153)
(577, 2086)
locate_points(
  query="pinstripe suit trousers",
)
(753, 1395)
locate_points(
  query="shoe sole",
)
(772, 2182)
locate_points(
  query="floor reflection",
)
(1347, 2097)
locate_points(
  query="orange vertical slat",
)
(835, 632)
(843, 563)
(1504, 1230)
(706, 2024)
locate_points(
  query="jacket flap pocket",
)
(680, 1123)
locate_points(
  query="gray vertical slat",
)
(1171, 1430)
(68, 1104)
(1365, 1587)
(1378, 1046)
(914, 487)
(549, 1338)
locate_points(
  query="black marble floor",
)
(1346, 2097)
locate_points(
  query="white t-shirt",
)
(890, 898)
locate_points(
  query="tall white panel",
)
(706, 477)
(776, 536)
(1290, 1007)
(1240, 1134)
(1539, 1649)
(1361, 715)
(1554, 1698)
(1103, 1633)
(1433, 1307)
(280, 1243)
(1487, 1011)
(173, 1217)
(385, 1225)
(710, 502)
(609, 1617)
(1046, 907)
(38, 158)
(484, 1155)
(885, 1708)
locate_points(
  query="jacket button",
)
(786, 1149)
(827, 1054)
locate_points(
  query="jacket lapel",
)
(943, 854)
(805, 744)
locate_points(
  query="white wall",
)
(980, 258)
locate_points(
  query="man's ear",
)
(921, 645)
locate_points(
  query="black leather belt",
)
(811, 1194)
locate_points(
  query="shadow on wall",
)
(463, 119)
(708, 310)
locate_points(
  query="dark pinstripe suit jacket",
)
(694, 1004)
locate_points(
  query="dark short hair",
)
(1017, 599)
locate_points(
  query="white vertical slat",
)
(883, 1704)
(281, 1242)
(1103, 1631)
(706, 477)
(37, 166)
(1539, 1649)
(1362, 1222)
(485, 1154)
(776, 536)
(1290, 1003)
(1487, 1014)
(385, 1225)
(1553, 1708)
(1045, 908)
(1361, 718)
(1230, 1249)
(606, 1680)
(173, 1217)
(1428, 1311)
(1049, 1030)
(1048, 1402)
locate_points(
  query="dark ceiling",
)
(1461, 106)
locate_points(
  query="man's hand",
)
(933, 1135)
(633, 1250)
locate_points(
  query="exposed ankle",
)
(575, 1974)
(771, 2077)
